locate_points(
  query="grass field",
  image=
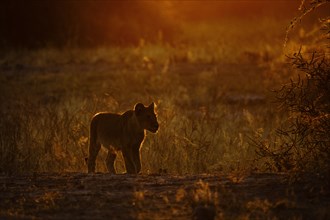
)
(213, 90)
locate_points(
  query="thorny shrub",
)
(302, 143)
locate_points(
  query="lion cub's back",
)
(108, 127)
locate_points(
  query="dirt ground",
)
(105, 196)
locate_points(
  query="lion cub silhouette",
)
(124, 133)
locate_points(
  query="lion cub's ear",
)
(139, 107)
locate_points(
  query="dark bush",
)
(302, 143)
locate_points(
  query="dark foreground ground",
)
(104, 196)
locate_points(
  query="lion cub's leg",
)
(129, 163)
(136, 158)
(93, 151)
(110, 161)
(132, 159)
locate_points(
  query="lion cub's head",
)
(147, 117)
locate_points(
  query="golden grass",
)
(212, 89)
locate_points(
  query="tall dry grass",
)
(210, 94)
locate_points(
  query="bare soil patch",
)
(105, 196)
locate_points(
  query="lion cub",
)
(124, 133)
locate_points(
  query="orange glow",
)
(90, 23)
